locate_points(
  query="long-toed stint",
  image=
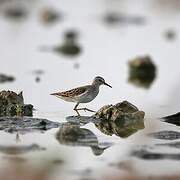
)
(83, 94)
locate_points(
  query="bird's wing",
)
(72, 92)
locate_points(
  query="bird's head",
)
(100, 81)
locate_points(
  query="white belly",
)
(85, 98)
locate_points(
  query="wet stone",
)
(165, 135)
(12, 104)
(122, 119)
(82, 119)
(142, 71)
(26, 124)
(5, 78)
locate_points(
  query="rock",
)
(173, 119)
(142, 71)
(12, 104)
(4, 78)
(73, 135)
(10, 97)
(26, 124)
(165, 135)
(122, 119)
(49, 16)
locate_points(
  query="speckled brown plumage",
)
(72, 92)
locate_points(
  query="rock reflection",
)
(145, 154)
(6, 78)
(142, 71)
(173, 119)
(68, 48)
(73, 135)
(38, 73)
(113, 18)
(173, 144)
(15, 13)
(122, 119)
(165, 135)
(15, 150)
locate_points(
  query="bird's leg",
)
(85, 109)
(75, 108)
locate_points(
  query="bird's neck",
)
(96, 85)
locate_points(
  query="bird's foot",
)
(85, 109)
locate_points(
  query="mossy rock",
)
(12, 104)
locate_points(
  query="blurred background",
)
(50, 46)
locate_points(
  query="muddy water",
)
(106, 49)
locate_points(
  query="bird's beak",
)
(107, 85)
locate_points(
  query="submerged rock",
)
(165, 135)
(122, 119)
(142, 71)
(26, 124)
(4, 78)
(73, 135)
(12, 104)
(173, 119)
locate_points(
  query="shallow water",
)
(106, 50)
